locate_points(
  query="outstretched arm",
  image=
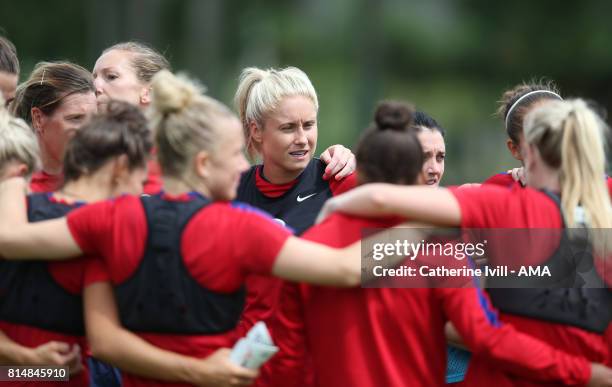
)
(114, 344)
(303, 261)
(419, 203)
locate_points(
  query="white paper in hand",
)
(259, 334)
(255, 349)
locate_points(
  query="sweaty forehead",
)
(119, 59)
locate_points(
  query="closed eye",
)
(309, 124)
(75, 118)
(287, 127)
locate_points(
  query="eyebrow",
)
(293, 122)
(104, 69)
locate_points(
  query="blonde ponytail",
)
(248, 78)
(570, 137)
(583, 167)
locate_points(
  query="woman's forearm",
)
(416, 203)
(304, 261)
(134, 355)
(112, 343)
(49, 239)
(49, 353)
(12, 353)
(22, 240)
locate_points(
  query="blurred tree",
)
(451, 58)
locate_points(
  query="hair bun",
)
(394, 115)
(125, 113)
(172, 93)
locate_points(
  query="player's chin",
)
(228, 195)
(297, 164)
(102, 101)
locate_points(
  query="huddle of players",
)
(159, 290)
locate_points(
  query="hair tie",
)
(515, 104)
(43, 77)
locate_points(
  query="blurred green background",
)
(452, 59)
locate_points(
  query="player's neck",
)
(548, 180)
(86, 189)
(277, 175)
(50, 165)
(178, 186)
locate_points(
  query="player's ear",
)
(514, 149)
(200, 164)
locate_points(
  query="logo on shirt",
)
(301, 199)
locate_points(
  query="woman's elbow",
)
(97, 350)
(380, 202)
(350, 276)
(100, 349)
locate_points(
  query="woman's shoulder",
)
(496, 206)
(233, 211)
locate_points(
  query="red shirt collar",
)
(270, 189)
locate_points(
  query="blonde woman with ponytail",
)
(564, 161)
(177, 260)
(570, 142)
(279, 114)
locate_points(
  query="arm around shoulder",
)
(304, 261)
(420, 203)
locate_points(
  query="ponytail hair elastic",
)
(515, 104)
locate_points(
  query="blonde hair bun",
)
(173, 93)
